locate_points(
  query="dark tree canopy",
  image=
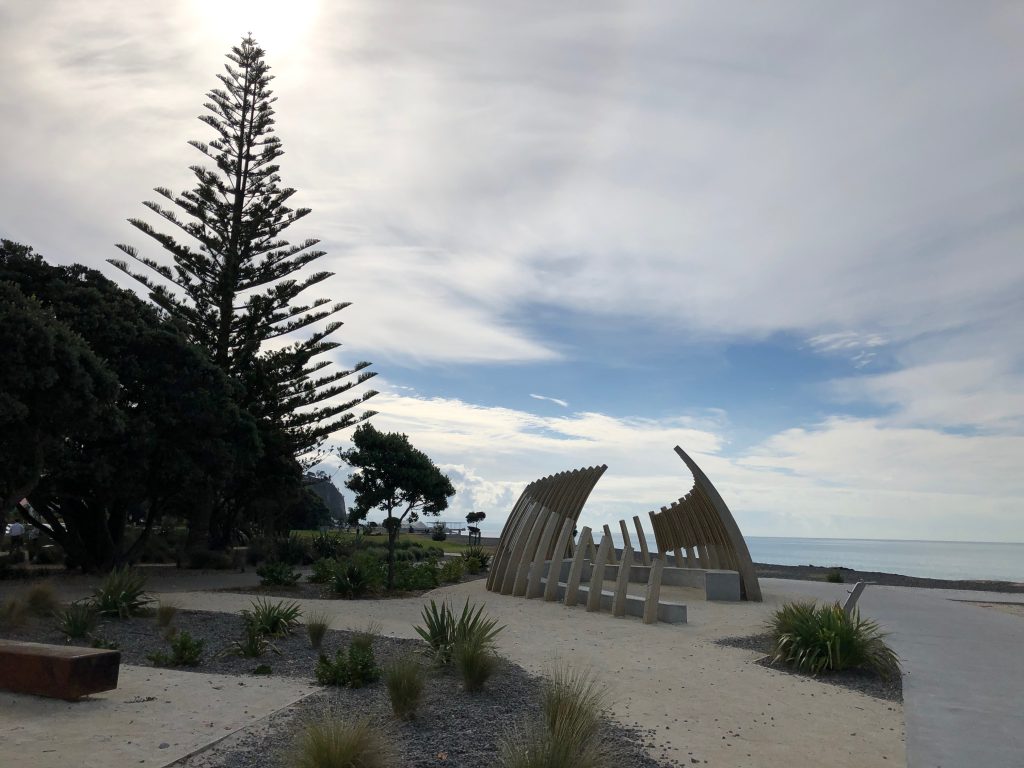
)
(396, 478)
(235, 283)
(175, 438)
(54, 392)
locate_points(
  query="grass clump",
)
(13, 613)
(186, 651)
(476, 660)
(122, 593)
(41, 600)
(78, 620)
(404, 681)
(272, 619)
(332, 743)
(568, 734)
(816, 639)
(317, 625)
(166, 610)
(277, 575)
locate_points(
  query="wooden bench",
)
(57, 671)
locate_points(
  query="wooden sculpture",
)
(535, 556)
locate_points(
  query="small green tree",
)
(393, 476)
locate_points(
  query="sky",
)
(785, 236)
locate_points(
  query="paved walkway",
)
(963, 686)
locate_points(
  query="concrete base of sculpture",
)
(717, 584)
(670, 613)
(57, 671)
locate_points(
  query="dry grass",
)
(41, 599)
(317, 625)
(332, 743)
(166, 611)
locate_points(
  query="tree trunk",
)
(393, 525)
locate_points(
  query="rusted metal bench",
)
(57, 671)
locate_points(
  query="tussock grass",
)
(165, 612)
(13, 613)
(337, 744)
(476, 661)
(572, 701)
(78, 620)
(41, 599)
(404, 680)
(317, 625)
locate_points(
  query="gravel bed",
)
(306, 590)
(866, 682)
(455, 728)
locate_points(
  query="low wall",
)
(717, 584)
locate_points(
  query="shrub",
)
(260, 549)
(442, 631)
(186, 651)
(433, 552)
(272, 619)
(317, 625)
(359, 575)
(439, 532)
(278, 574)
(336, 744)
(411, 577)
(165, 612)
(355, 667)
(324, 571)
(49, 554)
(329, 546)
(483, 557)
(291, 550)
(452, 570)
(209, 560)
(476, 660)
(41, 600)
(472, 566)
(122, 593)
(262, 669)
(104, 643)
(824, 638)
(404, 681)
(835, 577)
(252, 644)
(78, 620)
(364, 638)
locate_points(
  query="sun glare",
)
(277, 27)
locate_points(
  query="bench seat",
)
(57, 671)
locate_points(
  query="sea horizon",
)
(923, 558)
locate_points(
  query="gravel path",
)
(454, 727)
(864, 681)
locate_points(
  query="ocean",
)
(928, 559)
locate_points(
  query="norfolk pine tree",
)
(235, 283)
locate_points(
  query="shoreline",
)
(852, 576)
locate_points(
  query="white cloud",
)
(843, 477)
(554, 400)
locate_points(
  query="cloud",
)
(554, 400)
(841, 477)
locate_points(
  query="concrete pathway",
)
(963, 686)
(155, 716)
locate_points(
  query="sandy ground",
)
(708, 703)
(155, 716)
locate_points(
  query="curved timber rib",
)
(535, 556)
(700, 529)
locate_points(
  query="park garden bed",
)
(452, 727)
